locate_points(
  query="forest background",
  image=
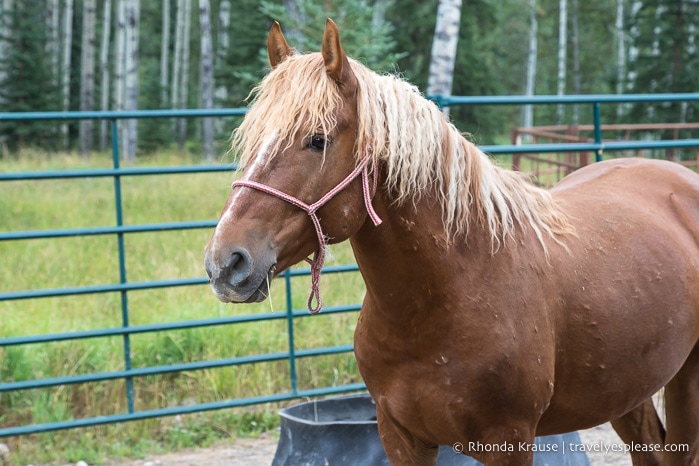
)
(58, 55)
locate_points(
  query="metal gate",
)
(290, 315)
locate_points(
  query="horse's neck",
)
(409, 257)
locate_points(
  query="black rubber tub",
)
(343, 431)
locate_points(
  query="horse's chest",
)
(442, 388)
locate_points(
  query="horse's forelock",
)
(296, 98)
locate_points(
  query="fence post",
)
(290, 332)
(598, 130)
(122, 264)
(517, 157)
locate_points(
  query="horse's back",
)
(650, 193)
(628, 173)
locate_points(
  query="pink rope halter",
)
(319, 256)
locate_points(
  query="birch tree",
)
(87, 74)
(207, 77)
(104, 69)
(528, 117)
(223, 36)
(379, 16)
(443, 57)
(165, 54)
(294, 34)
(180, 75)
(577, 87)
(620, 54)
(184, 69)
(562, 52)
(53, 26)
(65, 79)
(177, 60)
(5, 25)
(130, 130)
(119, 51)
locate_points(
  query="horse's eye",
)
(317, 143)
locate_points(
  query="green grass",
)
(63, 262)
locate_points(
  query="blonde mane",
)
(409, 136)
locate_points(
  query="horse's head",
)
(304, 176)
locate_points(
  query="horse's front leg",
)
(403, 448)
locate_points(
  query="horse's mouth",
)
(253, 290)
(262, 291)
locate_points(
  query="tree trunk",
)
(633, 52)
(130, 130)
(224, 33)
(119, 56)
(53, 25)
(379, 15)
(184, 79)
(6, 26)
(177, 61)
(87, 74)
(293, 34)
(65, 81)
(528, 120)
(620, 55)
(180, 74)
(446, 38)
(577, 88)
(104, 69)
(165, 55)
(562, 52)
(207, 77)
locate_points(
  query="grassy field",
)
(56, 263)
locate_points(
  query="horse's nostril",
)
(239, 266)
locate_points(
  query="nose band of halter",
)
(316, 262)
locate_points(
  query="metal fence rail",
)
(124, 286)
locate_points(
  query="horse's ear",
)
(277, 47)
(336, 63)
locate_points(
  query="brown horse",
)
(494, 311)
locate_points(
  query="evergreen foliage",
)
(366, 36)
(245, 64)
(27, 84)
(664, 57)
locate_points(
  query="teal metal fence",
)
(123, 287)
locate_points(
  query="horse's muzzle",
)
(235, 277)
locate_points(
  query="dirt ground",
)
(242, 452)
(260, 452)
